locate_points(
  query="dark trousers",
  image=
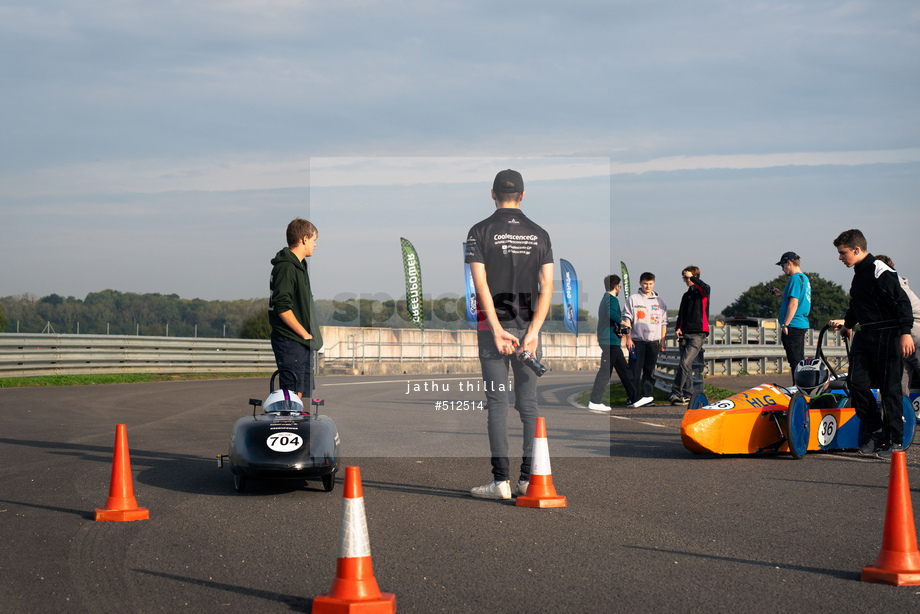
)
(643, 366)
(875, 362)
(295, 366)
(691, 349)
(612, 358)
(495, 367)
(794, 344)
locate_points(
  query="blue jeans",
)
(495, 368)
(691, 346)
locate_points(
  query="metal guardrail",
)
(743, 350)
(58, 354)
(51, 354)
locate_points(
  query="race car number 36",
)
(284, 442)
(826, 430)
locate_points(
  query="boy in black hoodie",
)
(292, 312)
(882, 309)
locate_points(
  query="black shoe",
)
(872, 444)
(885, 451)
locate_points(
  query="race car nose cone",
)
(701, 430)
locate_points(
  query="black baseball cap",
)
(508, 182)
(787, 256)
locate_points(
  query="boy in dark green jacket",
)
(292, 312)
(608, 337)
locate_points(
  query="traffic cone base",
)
(890, 576)
(898, 562)
(540, 491)
(141, 513)
(324, 604)
(121, 506)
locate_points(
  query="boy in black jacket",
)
(882, 309)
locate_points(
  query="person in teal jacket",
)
(291, 311)
(608, 337)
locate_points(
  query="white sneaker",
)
(522, 487)
(598, 407)
(642, 402)
(493, 490)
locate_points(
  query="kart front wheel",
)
(797, 425)
(329, 482)
(910, 421)
(699, 400)
(239, 482)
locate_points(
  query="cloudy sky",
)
(163, 146)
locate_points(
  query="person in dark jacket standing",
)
(692, 329)
(609, 321)
(292, 312)
(511, 261)
(882, 309)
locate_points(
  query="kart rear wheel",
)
(699, 400)
(910, 421)
(239, 482)
(329, 482)
(797, 425)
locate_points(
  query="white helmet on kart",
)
(283, 401)
(811, 376)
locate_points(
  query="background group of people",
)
(643, 325)
(884, 355)
(511, 262)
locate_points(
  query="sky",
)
(163, 146)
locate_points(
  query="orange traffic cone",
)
(121, 504)
(354, 588)
(540, 491)
(899, 561)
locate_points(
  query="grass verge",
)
(615, 396)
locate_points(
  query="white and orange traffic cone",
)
(898, 562)
(540, 490)
(354, 588)
(121, 505)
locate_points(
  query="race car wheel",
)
(910, 421)
(797, 425)
(239, 482)
(329, 482)
(699, 400)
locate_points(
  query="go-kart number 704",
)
(284, 442)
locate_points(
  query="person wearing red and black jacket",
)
(692, 330)
(882, 309)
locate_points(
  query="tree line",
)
(126, 313)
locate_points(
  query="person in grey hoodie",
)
(291, 311)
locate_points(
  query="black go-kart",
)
(284, 442)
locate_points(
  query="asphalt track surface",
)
(649, 526)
